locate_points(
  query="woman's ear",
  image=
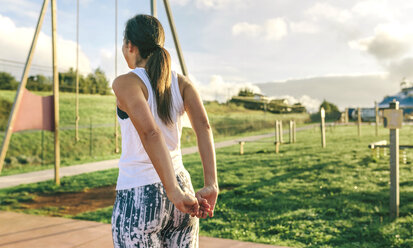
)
(132, 48)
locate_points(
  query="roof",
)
(405, 99)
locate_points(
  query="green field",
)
(305, 196)
(33, 150)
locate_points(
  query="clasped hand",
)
(201, 205)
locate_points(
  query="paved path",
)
(21, 231)
(39, 176)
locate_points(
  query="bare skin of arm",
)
(131, 95)
(199, 121)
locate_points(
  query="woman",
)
(155, 203)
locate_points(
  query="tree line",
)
(93, 83)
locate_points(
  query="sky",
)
(349, 52)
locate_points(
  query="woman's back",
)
(135, 166)
(155, 202)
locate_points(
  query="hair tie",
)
(157, 46)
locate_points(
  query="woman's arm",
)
(129, 93)
(199, 120)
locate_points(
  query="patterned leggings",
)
(144, 217)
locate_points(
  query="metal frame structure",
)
(23, 82)
(22, 86)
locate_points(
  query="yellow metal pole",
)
(56, 96)
(175, 36)
(22, 86)
(116, 74)
(77, 73)
(153, 8)
(359, 121)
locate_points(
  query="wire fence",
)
(96, 140)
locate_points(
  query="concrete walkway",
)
(21, 231)
(39, 176)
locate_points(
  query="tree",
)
(98, 83)
(67, 80)
(332, 113)
(7, 81)
(94, 83)
(329, 107)
(5, 108)
(246, 92)
(39, 83)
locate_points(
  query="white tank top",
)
(135, 167)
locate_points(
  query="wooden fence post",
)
(277, 131)
(42, 147)
(377, 118)
(277, 137)
(323, 128)
(241, 147)
(404, 156)
(281, 131)
(91, 138)
(359, 121)
(294, 132)
(291, 132)
(394, 118)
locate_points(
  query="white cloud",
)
(273, 29)
(221, 4)
(21, 8)
(106, 61)
(304, 27)
(17, 47)
(387, 43)
(220, 90)
(401, 69)
(214, 4)
(311, 104)
(329, 12)
(245, 28)
(374, 8)
(180, 2)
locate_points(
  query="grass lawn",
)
(34, 150)
(305, 196)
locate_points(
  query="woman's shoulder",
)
(129, 82)
(183, 82)
(186, 87)
(126, 79)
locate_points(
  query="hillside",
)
(33, 150)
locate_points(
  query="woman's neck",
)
(141, 63)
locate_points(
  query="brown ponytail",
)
(158, 68)
(147, 34)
